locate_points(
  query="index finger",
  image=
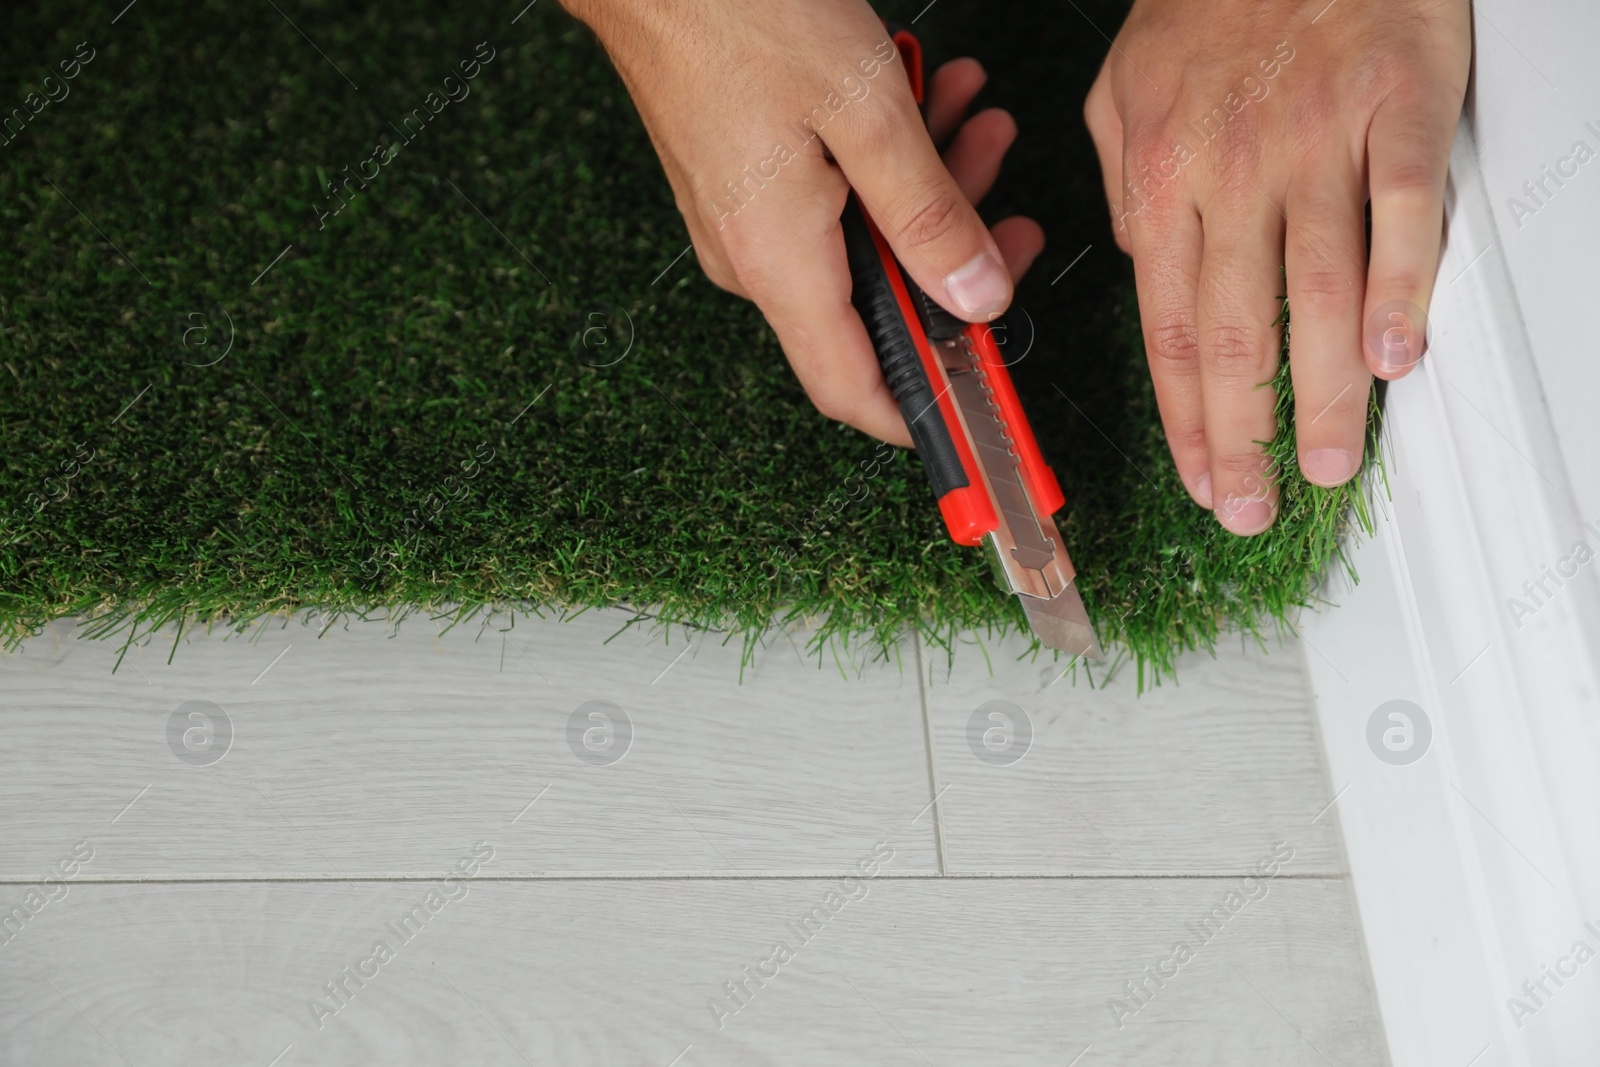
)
(788, 254)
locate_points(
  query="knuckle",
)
(714, 265)
(1233, 351)
(1188, 439)
(1153, 171)
(1322, 290)
(1148, 154)
(1309, 107)
(931, 217)
(1174, 345)
(1251, 472)
(1385, 73)
(722, 277)
(1418, 173)
(1402, 283)
(750, 281)
(749, 273)
(713, 216)
(1239, 150)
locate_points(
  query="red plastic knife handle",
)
(904, 325)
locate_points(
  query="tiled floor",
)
(541, 846)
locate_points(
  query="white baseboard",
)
(1478, 865)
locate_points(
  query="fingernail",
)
(1246, 517)
(979, 288)
(1327, 466)
(1399, 350)
(1397, 334)
(1202, 490)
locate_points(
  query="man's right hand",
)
(765, 116)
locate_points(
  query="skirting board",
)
(1476, 866)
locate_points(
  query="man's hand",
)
(764, 116)
(1238, 138)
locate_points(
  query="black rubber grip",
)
(874, 299)
(939, 324)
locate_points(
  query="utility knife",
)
(951, 382)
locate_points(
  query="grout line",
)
(932, 802)
(714, 875)
(933, 767)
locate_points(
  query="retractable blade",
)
(1025, 549)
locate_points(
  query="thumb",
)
(890, 161)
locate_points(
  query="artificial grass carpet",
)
(480, 378)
